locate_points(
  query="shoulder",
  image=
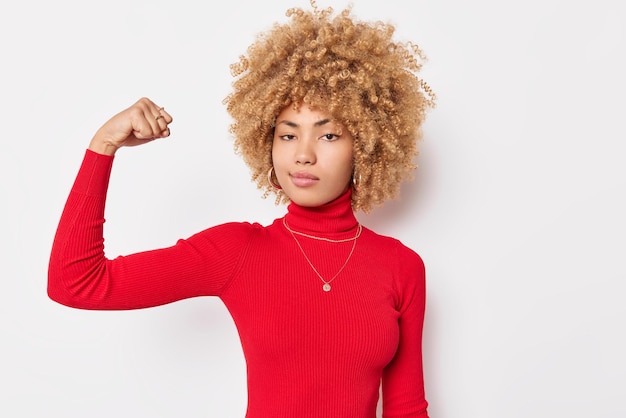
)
(409, 272)
(236, 227)
(394, 247)
(229, 232)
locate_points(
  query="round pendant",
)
(326, 287)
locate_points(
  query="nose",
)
(305, 151)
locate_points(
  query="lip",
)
(303, 179)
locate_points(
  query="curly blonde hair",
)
(350, 69)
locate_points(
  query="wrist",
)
(101, 147)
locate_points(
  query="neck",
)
(334, 219)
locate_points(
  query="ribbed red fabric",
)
(309, 353)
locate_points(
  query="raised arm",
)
(80, 275)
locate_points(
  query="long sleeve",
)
(403, 380)
(80, 275)
(309, 352)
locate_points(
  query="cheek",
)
(278, 161)
(276, 154)
(348, 160)
(348, 171)
(344, 166)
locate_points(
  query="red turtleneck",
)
(309, 353)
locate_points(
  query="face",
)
(312, 156)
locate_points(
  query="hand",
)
(143, 122)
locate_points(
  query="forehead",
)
(303, 116)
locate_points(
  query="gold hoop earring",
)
(269, 179)
(355, 182)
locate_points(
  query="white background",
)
(517, 208)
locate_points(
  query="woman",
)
(326, 113)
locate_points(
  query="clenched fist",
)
(143, 122)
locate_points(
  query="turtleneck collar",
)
(334, 219)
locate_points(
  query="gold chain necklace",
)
(358, 233)
(326, 286)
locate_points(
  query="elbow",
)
(57, 291)
(75, 290)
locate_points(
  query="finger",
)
(160, 121)
(149, 120)
(143, 129)
(163, 120)
(155, 121)
(161, 126)
(144, 125)
(166, 116)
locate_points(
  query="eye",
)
(287, 137)
(330, 137)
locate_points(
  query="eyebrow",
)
(295, 125)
